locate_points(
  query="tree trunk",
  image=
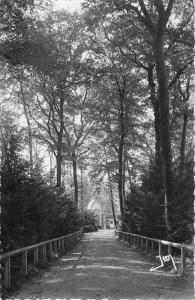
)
(163, 95)
(124, 168)
(59, 167)
(111, 198)
(156, 108)
(30, 141)
(76, 190)
(183, 144)
(26, 113)
(120, 176)
(59, 158)
(51, 168)
(121, 146)
(130, 180)
(111, 190)
(81, 206)
(59, 142)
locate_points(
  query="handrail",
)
(54, 245)
(177, 245)
(138, 240)
(13, 252)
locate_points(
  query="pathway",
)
(101, 267)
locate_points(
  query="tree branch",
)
(146, 20)
(168, 11)
(179, 73)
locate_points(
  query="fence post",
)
(50, 249)
(146, 246)
(44, 253)
(123, 238)
(25, 262)
(36, 256)
(7, 272)
(159, 248)
(183, 262)
(137, 242)
(169, 249)
(55, 247)
(64, 243)
(129, 240)
(142, 243)
(59, 246)
(152, 248)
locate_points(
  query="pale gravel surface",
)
(101, 267)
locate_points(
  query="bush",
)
(31, 211)
(89, 218)
(89, 228)
(146, 205)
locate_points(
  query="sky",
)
(71, 5)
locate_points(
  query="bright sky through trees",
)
(68, 4)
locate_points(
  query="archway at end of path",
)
(96, 207)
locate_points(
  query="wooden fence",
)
(156, 246)
(41, 251)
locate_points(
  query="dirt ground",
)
(100, 267)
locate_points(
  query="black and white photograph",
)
(97, 149)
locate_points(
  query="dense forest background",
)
(96, 103)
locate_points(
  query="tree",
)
(152, 23)
(31, 211)
(52, 87)
(115, 104)
(78, 128)
(155, 23)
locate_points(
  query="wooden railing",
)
(150, 245)
(49, 249)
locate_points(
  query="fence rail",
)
(148, 244)
(49, 249)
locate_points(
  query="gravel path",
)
(101, 267)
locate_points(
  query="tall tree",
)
(52, 86)
(154, 20)
(78, 128)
